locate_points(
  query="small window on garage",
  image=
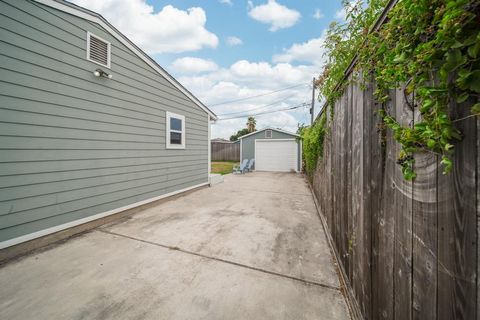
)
(98, 50)
(268, 133)
(175, 131)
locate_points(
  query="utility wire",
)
(264, 106)
(303, 105)
(256, 96)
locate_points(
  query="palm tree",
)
(251, 122)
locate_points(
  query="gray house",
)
(90, 125)
(273, 150)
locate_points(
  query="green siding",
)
(73, 145)
(248, 143)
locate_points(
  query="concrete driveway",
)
(249, 248)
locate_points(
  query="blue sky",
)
(259, 44)
(224, 50)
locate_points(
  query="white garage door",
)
(276, 155)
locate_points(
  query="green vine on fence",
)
(430, 46)
(313, 142)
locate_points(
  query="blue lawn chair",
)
(249, 167)
(241, 168)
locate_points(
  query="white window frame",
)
(271, 134)
(109, 50)
(170, 115)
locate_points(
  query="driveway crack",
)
(307, 282)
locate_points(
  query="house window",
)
(268, 133)
(175, 134)
(98, 50)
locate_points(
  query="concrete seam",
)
(308, 282)
(276, 192)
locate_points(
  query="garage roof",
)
(268, 128)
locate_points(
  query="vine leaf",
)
(476, 108)
(453, 60)
(400, 58)
(473, 81)
(474, 50)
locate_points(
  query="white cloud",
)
(274, 14)
(310, 51)
(229, 2)
(282, 73)
(193, 65)
(245, 79)
(234, 41)
(169, 30)
(318, 14)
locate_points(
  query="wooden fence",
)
(225, 151)
(408, 250)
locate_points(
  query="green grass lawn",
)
(223, 167)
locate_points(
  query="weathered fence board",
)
(344, 182)
(350, 236)
(408, 250)
(458, 198)
(373, 178)
(357, 214)
(403, 217)
(386, 237)
(478, 216)
(225, 151)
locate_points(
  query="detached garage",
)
(273, 150)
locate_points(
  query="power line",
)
(303, 105)
(258, 95)
(264, 106)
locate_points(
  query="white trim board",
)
(93, 17)
(241, 147)
(45, 232)
(301, 156)
(168, 130)
(209, 147)
(268, 128)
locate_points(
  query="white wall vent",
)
(98, 50)
(268, 134)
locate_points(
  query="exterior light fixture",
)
(101, 73)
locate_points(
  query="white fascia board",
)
(84, 14)
(209, 147)
(274, 140)
(268, 128)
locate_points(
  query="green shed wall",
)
(73, 145)
(248, 144)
